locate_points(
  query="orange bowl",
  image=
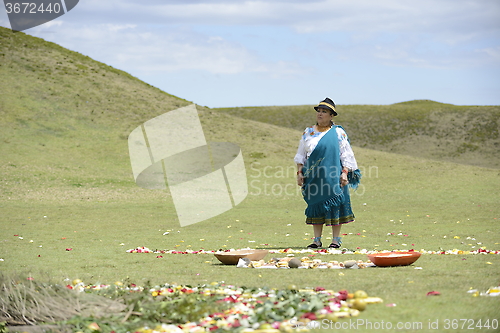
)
(394, 258)
(232, 257)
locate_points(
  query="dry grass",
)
(27, 302)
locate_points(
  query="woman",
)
(325, 166)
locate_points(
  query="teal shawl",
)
(321, 189)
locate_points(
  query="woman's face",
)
(323, 116)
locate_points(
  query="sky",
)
(229, 53)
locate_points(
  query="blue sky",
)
(220, 53)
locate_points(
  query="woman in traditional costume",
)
(325, 166)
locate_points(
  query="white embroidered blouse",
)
(310, 139)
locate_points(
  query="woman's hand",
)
(343, 179)
(300, 175)
(300, 179)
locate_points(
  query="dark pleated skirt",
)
(337, 215)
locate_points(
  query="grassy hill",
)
(66, 118)
(462, 134)
(55, 101)
(50, 96)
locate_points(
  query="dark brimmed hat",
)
(327, 104)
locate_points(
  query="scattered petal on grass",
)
(481, 251)
(493, 291)
(489, 263)
(69, 249)
(94, 327)
(433, 293)
(391, 304)
(418, 267)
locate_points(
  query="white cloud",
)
(226, 40)
(445, 16)
(394, 32)
(492, 52)
(118, 27)
(150, 51)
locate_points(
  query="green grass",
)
(66, 183)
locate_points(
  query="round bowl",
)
(394, 258)
(232, 257)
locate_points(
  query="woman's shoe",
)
(337, 242)
(314, 245)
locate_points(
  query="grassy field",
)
(70, 207)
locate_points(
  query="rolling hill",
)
(428, 129)
(65, 121)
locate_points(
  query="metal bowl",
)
(232, 257)
(394, 258)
